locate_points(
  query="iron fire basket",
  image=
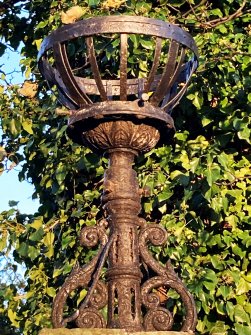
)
(121, 109)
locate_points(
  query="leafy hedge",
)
(199, 184)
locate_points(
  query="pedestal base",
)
(95, 331)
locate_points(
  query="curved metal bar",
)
(167, 75)
(116, 108)
(53, 77)
(80, 277)
(99, 266)
(47, 71)
(158, 237)
(166, 276)
(123, 67)
(90, 318)
(155, 65)
(115, 24)
(152, 302)
(173, 102)
(178, 67)
(90, 87)
(94, 67)
(174, 77)
(61, 60)
(158, 319)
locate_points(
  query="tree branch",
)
(7, 4)
(6, 82)
(192, 9)
(216, 22)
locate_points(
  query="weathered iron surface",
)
(78, 331)
(121, 128)
(74, 90)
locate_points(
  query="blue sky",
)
(10, 187)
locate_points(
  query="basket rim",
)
(125, 24)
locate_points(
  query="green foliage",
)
(200, 184)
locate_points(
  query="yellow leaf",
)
(82, 295)
(37, 223)
(51, 291)
(175, 174)
(72, 14)
(112, 4)
(27, 125)
(38, 43)
(13, 318)
(29, 89)
(48, 241)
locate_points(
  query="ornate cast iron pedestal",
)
(122, 128)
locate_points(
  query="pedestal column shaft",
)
(121, 202)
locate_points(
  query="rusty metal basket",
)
(93, 95)
(121, 110)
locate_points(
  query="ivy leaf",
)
(13, 317)
(243, 287)
(33, 252)
(51, 291)
(23, 249)
(72, 14)
(37, 235)
(14, 127)
(146, 44)
(93, 3)
(241, 329)
(164, 195)
(48, 242)
(224, 291)
(212, 174)
(240, 315)
(27, 125)
(13, 203)
(37, 222)
(3, 240)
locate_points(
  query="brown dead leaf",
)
(214, 102)
(162, 293)
(3, 153)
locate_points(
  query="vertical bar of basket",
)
(123, 67)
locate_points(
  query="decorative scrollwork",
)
(81, 277)
(158, 319)
(99, 297)
(91, 236)
(150, 299)
(90, 318)
(157, 236)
